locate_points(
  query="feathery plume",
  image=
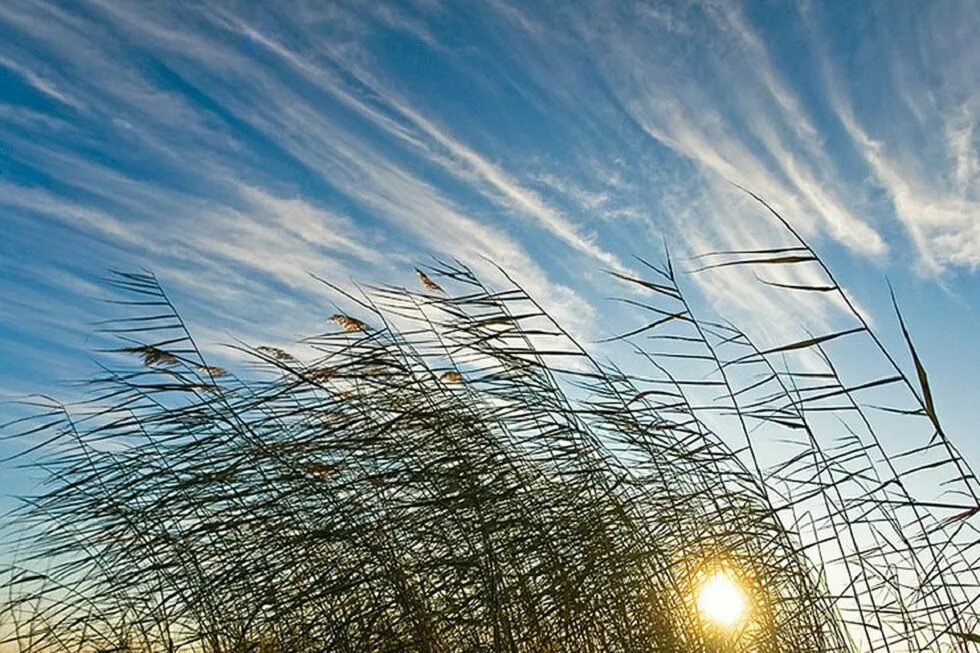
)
(427, 283)
(322, 471)
(277, 353)
(347, 323)
(152, 356)
(212, 370)
(321, 374)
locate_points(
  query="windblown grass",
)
(453, 472)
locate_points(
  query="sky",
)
(238, 148)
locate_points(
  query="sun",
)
(721, 600)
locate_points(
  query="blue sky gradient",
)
(234, 148)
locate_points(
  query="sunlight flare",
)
(720, 600)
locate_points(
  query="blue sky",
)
(234, 148)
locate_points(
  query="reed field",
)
(446, 468)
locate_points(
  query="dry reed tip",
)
(277, 354)
(348, 323)
(426, 282)
(151, 355)
(321, 374)
(322, 471)
(212, 370)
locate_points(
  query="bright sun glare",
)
(721, 600)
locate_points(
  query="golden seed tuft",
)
(427, 283)
(212, 370)
(350, 324)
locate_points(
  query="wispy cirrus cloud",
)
(254, 144)
(279, 235)
(747, 126)
(923, 152)
(778, 112)
(397, 118)
(38, 82)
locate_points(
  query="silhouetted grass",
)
(451, 471)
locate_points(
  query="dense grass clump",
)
(449, 470)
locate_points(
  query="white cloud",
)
(38, 200)
(926, 159)
(286, 237)
(39, 83)
(417, 184)
(745, 126)
(458, 159)
(945, 227)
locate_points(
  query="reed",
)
(450, 470)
